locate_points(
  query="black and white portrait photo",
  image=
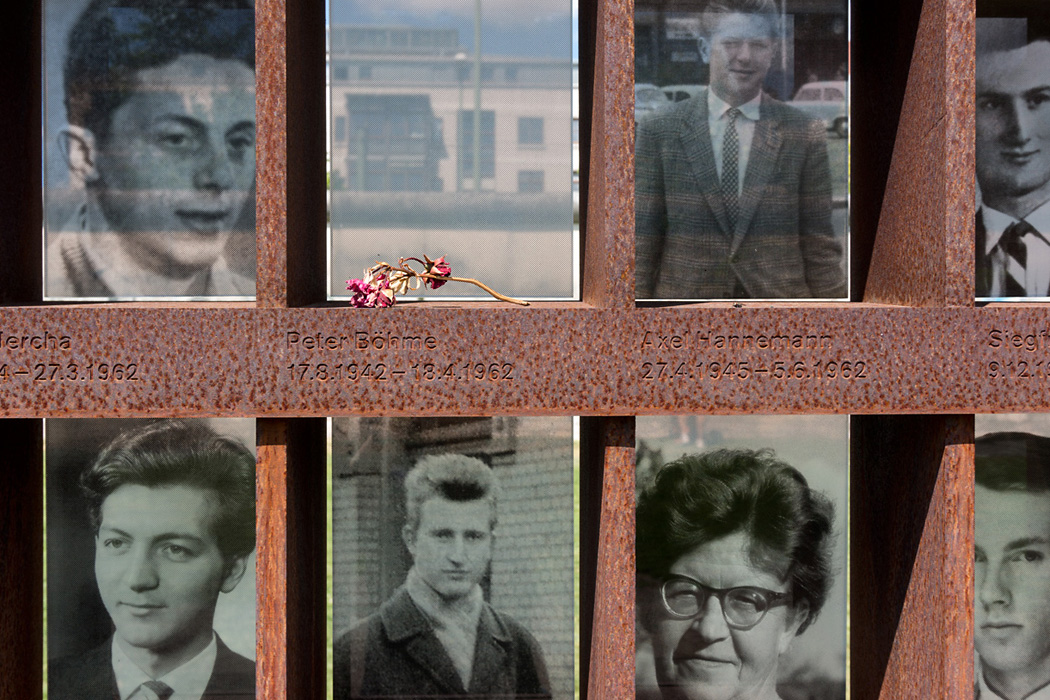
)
(149, 149)
(741, 558)
(741, 149)
(150, 559)
(1011, 630)
(1012, 157)
(453, 558)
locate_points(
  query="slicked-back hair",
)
(454, 477)
(113, 40)
(767, 8)
(1013, 461)
(181, 453)
(701, 498)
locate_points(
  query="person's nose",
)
(457, 551)
(1019, 122)
(993, 587)
(215, 170)
(710, 623)
(141, 574)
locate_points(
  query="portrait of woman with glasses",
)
(734, 562)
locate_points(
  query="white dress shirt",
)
(745, 129)
(189, 681)
(1037, 267)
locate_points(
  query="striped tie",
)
(158, 688)
(731, 168)
(1016, 257)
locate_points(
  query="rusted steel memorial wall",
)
(910, 358)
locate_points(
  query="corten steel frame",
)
(913, 322)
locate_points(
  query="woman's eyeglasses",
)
(743, 607)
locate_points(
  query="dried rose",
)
(437, 267)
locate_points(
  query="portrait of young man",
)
(158, 149)
(733, 191)
(1012, 239)
(1012, 566)
(437, 635)
(171, 505)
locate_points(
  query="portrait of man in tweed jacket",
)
(733, 187)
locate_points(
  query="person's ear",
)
(408, 536)
(704, 49)
(79, 148)
(796, 618)
(235, 569)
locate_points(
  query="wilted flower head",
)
(367, 295)
(383, 282)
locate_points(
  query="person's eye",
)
(748, 598)
(475, 536)
(1030, 556)
(176, 552)
(989, 104)
(732, 44)
(241, 140)
(980, 557)
(115, 544)
(1037, 100)
(180, 140)
(443, 534)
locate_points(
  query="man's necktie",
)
(731, 168)
(1016, 257)
(158, 688)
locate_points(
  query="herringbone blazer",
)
(782, 246)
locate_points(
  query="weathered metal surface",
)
(923, 253)
(608, 274)
(491, 359)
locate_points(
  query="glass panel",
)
(756, 204)
(445, 108)
(467, 521)
(742, 502)
(150, 555)
(1012, 151)
(149, 149)
(1011, 554)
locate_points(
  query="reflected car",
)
(825, 100)
(647, 99)
(679, 93)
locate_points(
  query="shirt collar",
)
(460, 612)
(189, 681)
(996, 223)
(986, 693)
(717, 107)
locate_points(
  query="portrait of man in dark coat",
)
(437, 636)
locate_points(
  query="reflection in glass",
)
(150, 149)
(741, 149)
(1011, 554)
(150, 557)
(741, 557)
(460, 529)
(440, 149)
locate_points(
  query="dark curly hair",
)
(113, 40)
(186, 453)
(701, 498)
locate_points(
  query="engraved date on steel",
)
(744, 370)
(72, 372)
(418, 372)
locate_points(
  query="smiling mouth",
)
(203, 221)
